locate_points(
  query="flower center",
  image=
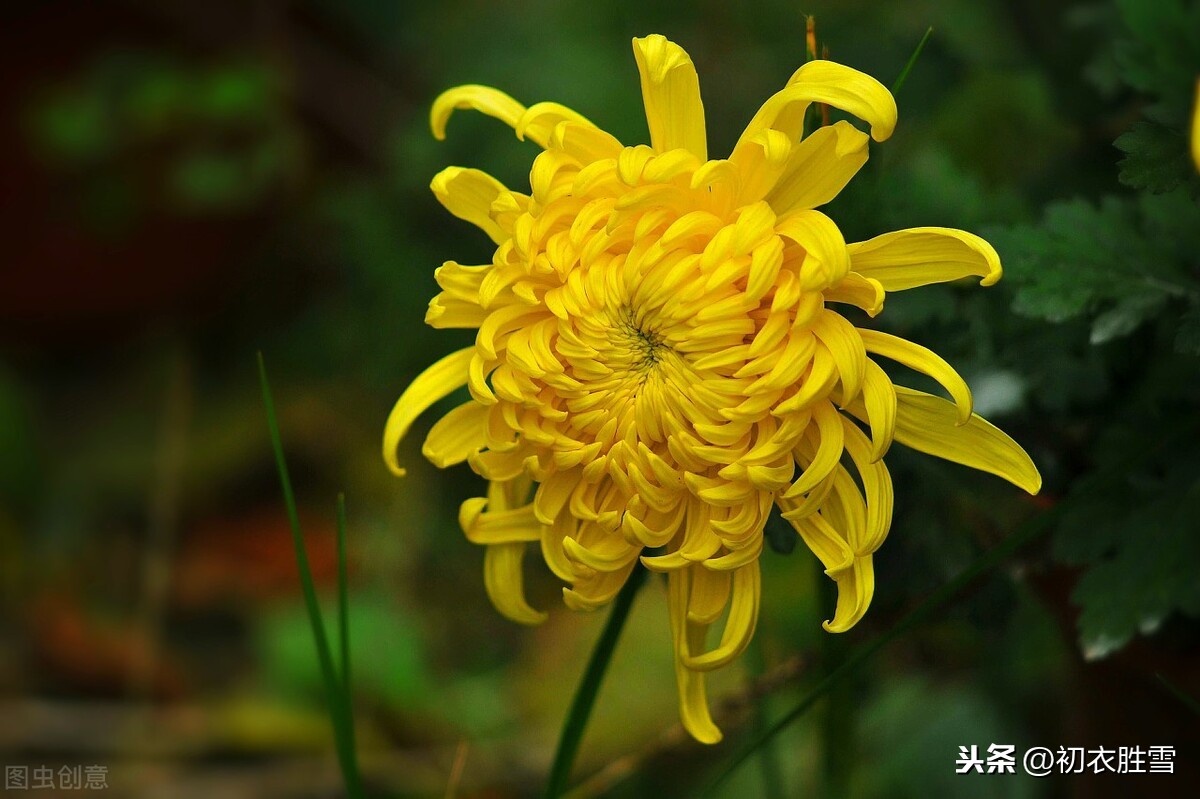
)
(645, 342)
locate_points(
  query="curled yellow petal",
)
(823, 541)
(761, 164)
(539, 121)
(483, 99)
(861, 292)
(829, 434)
(469, 194)
(877, 493)
(739, 627)
(856, 588)
(833, 84)
(671, 93)
(879, 397)
(846, 347)
(905, 259)
(827, 260)
(497, 526)
(456, 435)
(923, 360)
(432, 385)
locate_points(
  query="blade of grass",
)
(589, 687)
(343, 595)
(912, 61)
(1029, 531)
(340, 714)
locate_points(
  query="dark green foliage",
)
(1126, 266)
(1133, 528)
(1118, 262)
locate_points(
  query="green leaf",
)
(1132, 529)
(1156, 158)
(1118, 262)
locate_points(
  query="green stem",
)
(589, 687)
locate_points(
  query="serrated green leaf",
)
(1135, 537)
(1121, 260)
(1156, 158)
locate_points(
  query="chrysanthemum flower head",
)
(660, 359)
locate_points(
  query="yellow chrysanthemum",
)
(1196, 128)
(658, 361)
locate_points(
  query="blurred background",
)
(185, 184)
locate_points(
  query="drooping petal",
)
(710, 595)
(536, 123)
(829, 433)
(905, 259)
(671, 93)
(923, 360)
(505, 583)
(879, 397)
(456, 435)
(432, 385)
(819, 167)
(856, 588)
(739, 627)
(693, 702)
(929, 424)
(822, 540)
(877, 491)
